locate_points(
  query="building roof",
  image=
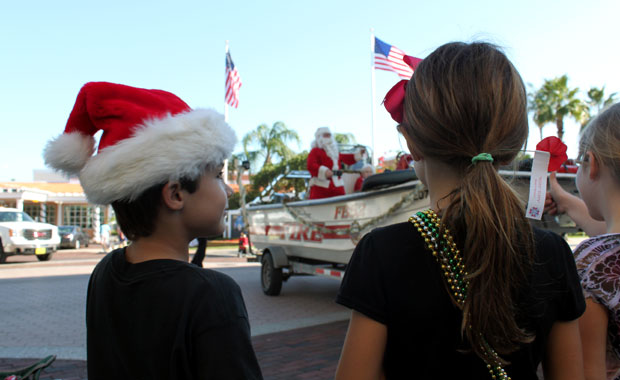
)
(61, 187)
(52, 187)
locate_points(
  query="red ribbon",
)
(557, 150)
(395, 98)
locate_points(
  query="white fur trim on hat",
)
(69, 152)
(161, 150)
(320, 131)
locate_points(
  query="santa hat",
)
(317, 135)
(148, 137)
(319, 132)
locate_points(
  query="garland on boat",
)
(356, 229)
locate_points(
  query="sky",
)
(307, 64)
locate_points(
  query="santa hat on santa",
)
(148, 137)
(318, 134)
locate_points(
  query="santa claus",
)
(325, 159)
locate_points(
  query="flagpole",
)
(239, 170)
(225, 169)
(372, 96)
(226, 104)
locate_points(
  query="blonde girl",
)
(598, 258)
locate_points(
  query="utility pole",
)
(241, 168)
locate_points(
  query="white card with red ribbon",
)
(538, 185)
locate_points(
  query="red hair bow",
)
(557, 150)
(394, 99)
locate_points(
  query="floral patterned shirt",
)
(598, 266)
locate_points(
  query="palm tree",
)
(597, 102)
(344, 138)
(271, 142)
(597, 98)
(233, 163)
(555, 100)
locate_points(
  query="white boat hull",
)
(327, 230)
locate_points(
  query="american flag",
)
(391, 58)
(233, 82)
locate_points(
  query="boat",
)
(318, 236)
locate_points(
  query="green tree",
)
(553, 101)
(597, 102)
(344, 138)
(264, 178)
(233, 162)
(271, 141)
(234, 201)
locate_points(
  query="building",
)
(64, 203)
(59, 203)
(59, 200)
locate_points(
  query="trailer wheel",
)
(270, 277)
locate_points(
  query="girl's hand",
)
(551, 207)
(329, 174)
(557, 199)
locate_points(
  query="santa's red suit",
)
(318, 163)
(358, 184)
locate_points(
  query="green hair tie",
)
(482, 157)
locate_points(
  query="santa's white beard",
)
(330, 147)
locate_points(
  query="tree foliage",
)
(234, 201)
(264, 178)
(596, 98)
(270, 142)
(597, 102)
(555, 100)
(344, 138)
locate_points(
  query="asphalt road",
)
(43, 303)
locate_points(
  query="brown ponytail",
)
(466, 99)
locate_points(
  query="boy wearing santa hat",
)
(150, 314)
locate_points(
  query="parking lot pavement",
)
(297, 335)
(305, 353)
(43, 303)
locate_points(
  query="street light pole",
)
(245, 165)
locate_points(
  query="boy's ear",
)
(595, 166)
(172, 195)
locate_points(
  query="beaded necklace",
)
(449, 257)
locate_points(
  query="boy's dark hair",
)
(137, 218)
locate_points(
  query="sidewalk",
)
(305, 353)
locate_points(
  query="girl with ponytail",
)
(466, 289)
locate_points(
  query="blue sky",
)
(304, 63)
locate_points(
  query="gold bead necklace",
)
(449, 258)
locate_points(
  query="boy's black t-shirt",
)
(393, 279)
(166, 319)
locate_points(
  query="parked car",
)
(21, 235)
(73, 237)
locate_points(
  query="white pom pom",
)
(69, 152)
